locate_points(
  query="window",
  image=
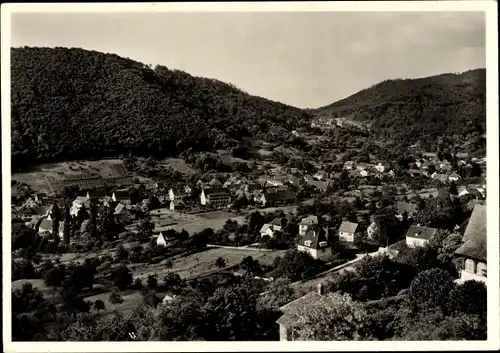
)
(469, 265)
(481, 269)
(307, 243)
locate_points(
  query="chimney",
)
(320, 289)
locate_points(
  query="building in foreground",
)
(472, 253)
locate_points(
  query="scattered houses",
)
(473, 252)
(348, 231)
(418, 236)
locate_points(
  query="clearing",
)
(180, 165)
(46, 177)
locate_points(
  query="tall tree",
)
(56, 218)
(67, 225)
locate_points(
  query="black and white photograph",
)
(217, 172)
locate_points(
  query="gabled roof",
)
(315, 236)
(119, 208)
(95, 194)
(265, 227)
(279, 195)
(420, 232)
(277, 222)
(291, 309)
(348, 227)
(41, 210)
(122, 194)
(309, 220)
(475, 235)
(216, 192)
(214, 182)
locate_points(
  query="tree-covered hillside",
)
(420, 110)
(74, 103)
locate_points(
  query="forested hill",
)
(426, 109)
(74, 103)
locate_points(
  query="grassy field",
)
(179, 165)
(203, 263)
(198, 222)
(45, 177)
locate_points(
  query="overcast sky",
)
(305, 59)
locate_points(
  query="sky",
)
(305, 59)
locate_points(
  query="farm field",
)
(45, 177)
(203, 263)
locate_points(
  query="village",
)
(258, 217)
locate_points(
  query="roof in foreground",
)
(474, 238)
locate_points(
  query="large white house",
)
(418, 236)
(315, 242)
(348, 231)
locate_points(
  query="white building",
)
(315, 242)
(418, 236)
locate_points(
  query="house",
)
(41, 211)
(122, 196)
(441, 177)
(372, 230)
(418, 236)
(214, 183)
(30, 202)
(321, 175)
(77, 205)
(444, 166)
(462, 191)
(251, 187)
(176, 205)
(287, 322)
(391, 173)
(217, 197)
(123, 214)
(402, 207)
(269, 229)
(168, 298)
(349, 165)
(307, 223)
(46, 227)
(363, 166)
(96, 195)
(295, 133)
(379, 167)
(348, 231)
(315, 242)
(162, 240)
(453, 177)
(277, 197)
(472, 252)
(320, 185)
